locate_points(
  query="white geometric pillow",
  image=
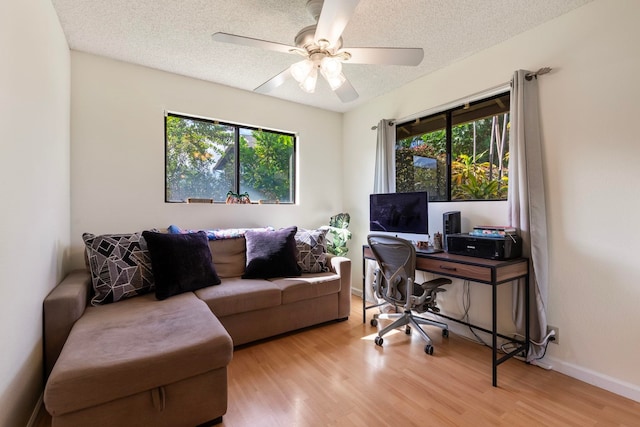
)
(120, 266)
(312, 250)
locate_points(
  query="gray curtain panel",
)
(385, 172)
(384, 182)
(526, 204)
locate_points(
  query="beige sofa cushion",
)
(135, 345)
(229, 256)
(235, 295)
(308, 286)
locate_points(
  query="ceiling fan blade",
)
(334, 18)
(274, 82)
(248, 41)
(346, 92)
(385, 55)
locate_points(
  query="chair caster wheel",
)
(445, 333)
(374, 322)
(407, 330)
(428, 349)
(379, 341)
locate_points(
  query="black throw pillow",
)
(180, 262)
(271, 254)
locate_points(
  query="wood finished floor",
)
(334, 375)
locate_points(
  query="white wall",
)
(589, 109)
(117, 169)
(34, 190)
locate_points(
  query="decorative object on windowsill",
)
(237, 198)
(268, 202)
(198, 200)
(338, 235)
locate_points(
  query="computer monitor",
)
(399, 212)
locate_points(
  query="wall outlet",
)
(556, 334)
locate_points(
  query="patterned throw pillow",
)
(120, 266)
(312, 250)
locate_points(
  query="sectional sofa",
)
(134, 356)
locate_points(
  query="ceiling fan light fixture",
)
(330, 66)
(309, 83)
(320, 45)
(301, 70)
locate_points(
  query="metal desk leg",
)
(364, 292)
(364, 308)
(527, 321)
(494, 329)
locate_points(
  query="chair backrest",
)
(396, 259)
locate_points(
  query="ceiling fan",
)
(321, 47)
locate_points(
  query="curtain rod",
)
(471, 98)
(541, 71)
(462, 101)
(391, 123)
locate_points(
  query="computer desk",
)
(476, 270)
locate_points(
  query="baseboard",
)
(605, 382)
(36, 411)
(614, 385)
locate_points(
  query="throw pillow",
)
(181, 262)
(271, 254)
(120, 266)
(312, 250)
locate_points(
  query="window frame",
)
(447, 111)
(236, 135)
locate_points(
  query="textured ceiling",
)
(175, 36)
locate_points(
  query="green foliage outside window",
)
(201, 161)
(192, 148)
(410, 178)
(473, 180)
(479, 165)
(266, 166)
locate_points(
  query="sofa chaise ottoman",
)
(142, 362)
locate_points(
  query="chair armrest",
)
(434, 283)
(61, 308)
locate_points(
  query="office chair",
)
(396, 259)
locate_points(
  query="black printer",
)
(500, 248)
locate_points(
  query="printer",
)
(499, 248)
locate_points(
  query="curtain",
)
(526, 204)
(385, 172)
(384, 182)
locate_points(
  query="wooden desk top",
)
(481, 270)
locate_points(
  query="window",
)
(458, 154)
(206, 159)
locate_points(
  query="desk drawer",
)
(469, 272)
